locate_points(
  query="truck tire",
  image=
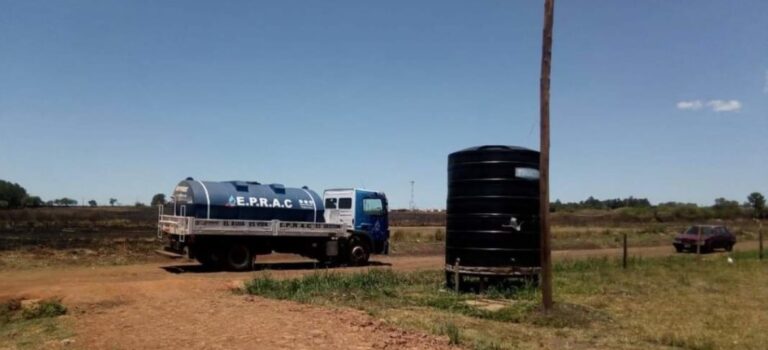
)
(238, 257)
(208, 259)
(359, 251)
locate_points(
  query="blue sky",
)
(660, 99)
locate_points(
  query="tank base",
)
(479, 278)
(500, 271)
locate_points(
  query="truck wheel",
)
(238, 257)
(208, 259)
(359, 252)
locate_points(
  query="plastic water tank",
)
(493, 207)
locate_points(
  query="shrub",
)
(439, 235)
(46, 308)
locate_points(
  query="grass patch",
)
(374, 284)
(451, 330)
(680, 301)
(33, 326)
(45, 308)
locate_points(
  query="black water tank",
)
(493, 207)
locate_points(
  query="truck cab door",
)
(345, 213)
(332, 210)
(338, 210)
(371, 216)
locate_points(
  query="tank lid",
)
(503, 148)
(278, 188)
(240, 186)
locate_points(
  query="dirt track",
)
(178, 305)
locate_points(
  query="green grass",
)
(31, 327)
(681, 301)
(449, 329)
(43, 309)
(375, 289)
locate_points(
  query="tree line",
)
(14, 196)
(754, 206)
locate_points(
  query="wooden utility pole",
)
(546, 63)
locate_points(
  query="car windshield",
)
(694, 230)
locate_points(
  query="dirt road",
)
(178, 305)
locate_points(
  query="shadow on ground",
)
(300, 265)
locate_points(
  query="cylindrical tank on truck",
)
(246, 200)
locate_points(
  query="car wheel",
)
(679, 249)
(729, 247)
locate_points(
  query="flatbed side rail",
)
(184, 225)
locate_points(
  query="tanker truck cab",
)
(363, 211)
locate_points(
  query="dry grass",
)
(658, 303)
(430, 239)
(104, 252)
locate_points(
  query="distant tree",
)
(592, 203)
(3, 204)
(13, 194)
(112, 201)
(65, 202)
(726, 209)
(92, 203)
(757, 202)
(139, 205)
(33, 201)
(158, 199)
(556, 206)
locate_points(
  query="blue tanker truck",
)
(226, 224)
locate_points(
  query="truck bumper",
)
(169, 254)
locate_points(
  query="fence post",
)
(698, 245)
(760, 237)
(624, 258)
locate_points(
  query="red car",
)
(712, 237)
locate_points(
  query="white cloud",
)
(724, 106)
(690, 105)
(713, 105)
